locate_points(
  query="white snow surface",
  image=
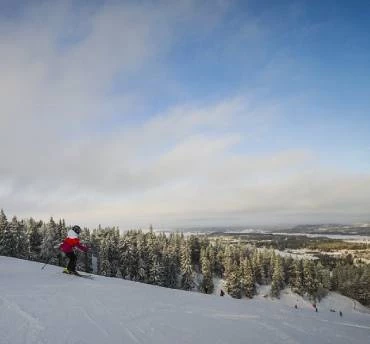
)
(49, 307)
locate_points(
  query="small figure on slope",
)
(67, 247)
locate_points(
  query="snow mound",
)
(45, 306)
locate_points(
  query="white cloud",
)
(68, 150)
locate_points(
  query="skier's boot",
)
(66, 271)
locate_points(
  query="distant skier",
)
(68, 245)
(222, 293)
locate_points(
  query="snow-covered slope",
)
(46, 306)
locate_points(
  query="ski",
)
(78, 274)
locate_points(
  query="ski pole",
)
(47, 261)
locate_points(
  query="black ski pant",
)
(71, 266)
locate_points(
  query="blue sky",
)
(186, 113)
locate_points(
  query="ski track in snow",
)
(48, 307)
(94, 322)
(30, 327)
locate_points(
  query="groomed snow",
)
(48, 307)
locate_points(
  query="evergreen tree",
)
(297, 280)
(153, 259)
(9, 239)
(144, 265)
(288, 269)
(363, 286)
(267, 264)
(109, 253)
(172, 267)
(207, 285)
(278, 278)
(233, 282)
(186, 267)
(228, 262)
(95, 251)
(105, 267)
(323, 280)
(257, 266)
(85, 259)
(3, 229)
(195, 247)
(218, 268)
(124, 256)
(247, 278)
(50, 243)
(35, 238)
(158, 273)
(334, 280)
(133, 257)
(23, 247)
(310, 279)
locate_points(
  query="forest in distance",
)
(191, 262)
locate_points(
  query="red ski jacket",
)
(70, 242)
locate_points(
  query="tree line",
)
(186, 262)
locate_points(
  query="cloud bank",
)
(85, 136)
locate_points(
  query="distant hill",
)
(363, 229)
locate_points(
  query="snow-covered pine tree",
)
(186, 267)
(267, 266)
(172, 266)
(9, 239)
(154, 258)
(233, 282)
(212, 257)
(109, 253)
(297, 279)
(288, 265)
(95, 250)
(133, 256)
(124, 255)
(363, 289)
(50, 243)
(323, 280)
(194, 245)
(228, 262)
(278, 278)
(114, 251)
(247, 278)
(219, 268)
(23, 246)
(35, 238)
(310, 279)
(3, 229)
(207, 285)
(143, 262)
(104, 257)
(85, 260)
(157, 272)
(257, 266)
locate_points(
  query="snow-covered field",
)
(48, 307)
(349, 238)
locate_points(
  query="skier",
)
(67, 247)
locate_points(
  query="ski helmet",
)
(76, 229)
